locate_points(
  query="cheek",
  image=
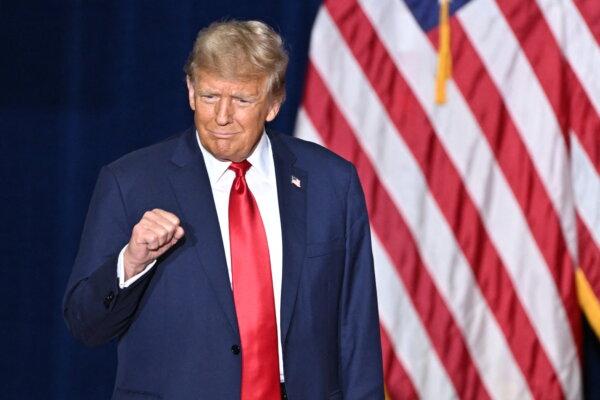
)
(251, 120)
(203, 113)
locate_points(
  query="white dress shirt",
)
(263, 185)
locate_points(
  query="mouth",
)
(223, 135)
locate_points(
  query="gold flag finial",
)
(444, 67)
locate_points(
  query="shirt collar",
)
(261, 160)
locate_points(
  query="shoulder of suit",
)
(313, 156)
(149, 157)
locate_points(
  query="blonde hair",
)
(241, 50)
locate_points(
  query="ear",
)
(273, 110)
(191, 92)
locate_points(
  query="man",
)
(227, 260)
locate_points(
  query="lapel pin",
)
(296, 182)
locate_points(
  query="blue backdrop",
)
(82, 83)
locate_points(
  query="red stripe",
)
(589, 254)
(386, 221)
(493, 117)
(447, 187)
(564, 91)
(397, 382)
(590, 11)
(584, 118)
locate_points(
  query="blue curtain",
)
(82, 83)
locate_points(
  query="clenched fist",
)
(157, 232)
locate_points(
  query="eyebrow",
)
(237, 95)
(207, 91)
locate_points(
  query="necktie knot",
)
(240, 168)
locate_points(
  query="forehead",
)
(205, 80)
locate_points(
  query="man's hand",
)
(157, 232)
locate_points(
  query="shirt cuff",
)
(121, 271)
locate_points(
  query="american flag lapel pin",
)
(296, 182)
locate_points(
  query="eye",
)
(209, 98)
(242, 101)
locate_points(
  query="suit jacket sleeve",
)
(94, 307)
(360, 349)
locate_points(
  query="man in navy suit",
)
(230, 262)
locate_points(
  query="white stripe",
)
(402, 178)
(502, 216)
(577, 43)
(521, 91)
(586, 185)
(305, 129)
(407, 334)
(396, 312)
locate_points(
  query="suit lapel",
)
(292, 210)
(193, 192)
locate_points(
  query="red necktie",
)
(253, 292)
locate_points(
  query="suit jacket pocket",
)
(323, 248)
(128, 394)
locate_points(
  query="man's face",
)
(230, 114)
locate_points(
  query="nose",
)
(223, 111)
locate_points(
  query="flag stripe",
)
(554, 74)
(397, 383)
(390, 227)
(590, 11)
(509, 232)
(574, 39)
(410, 339)
(586, 186)
(487, 266)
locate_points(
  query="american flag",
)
(485, 210)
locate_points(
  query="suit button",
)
(109, 297)
(235, 349)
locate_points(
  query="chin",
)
(227, 156)
(227, 150)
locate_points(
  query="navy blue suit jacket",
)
(176, 327)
